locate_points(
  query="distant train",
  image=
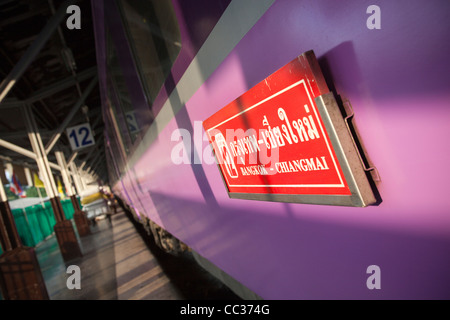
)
(171, 71)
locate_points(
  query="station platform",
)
(120, 263)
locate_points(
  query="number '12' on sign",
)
(80, 136)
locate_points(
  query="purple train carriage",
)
(298, 148)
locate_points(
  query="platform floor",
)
(119, 263)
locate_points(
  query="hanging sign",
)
(285, 140)
(80, 136)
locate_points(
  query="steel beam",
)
(94, 160)
(96, 121)
(13, 77)
(94, 164)
(72, 158)
(71, 114)
(22, 134)
(61, 85)
(54, 166)
(97, 167)
(17, 149)
(11, 103)
(24, 152)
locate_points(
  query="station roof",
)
(53, 83)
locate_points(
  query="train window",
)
(119, 98)
(155, 40)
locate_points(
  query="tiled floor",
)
(118, 263)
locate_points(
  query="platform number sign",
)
(80, 136)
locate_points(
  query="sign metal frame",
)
(342, 142)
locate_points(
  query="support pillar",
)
(28, 176)
(9, 235)
(76, 177)
(64, 231)
(80, 217)
(20, 273)
(4, 238)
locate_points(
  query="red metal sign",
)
(272, 139)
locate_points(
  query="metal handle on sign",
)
(350, 114)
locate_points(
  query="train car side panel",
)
(396, 79)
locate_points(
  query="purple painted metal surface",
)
(397, 80)
(193, 33)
